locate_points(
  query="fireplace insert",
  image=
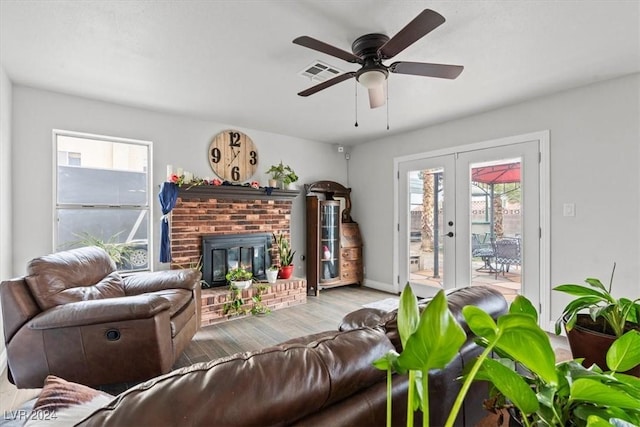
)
(223, 252)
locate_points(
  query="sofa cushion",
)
(63, 403)
(52, 278)
(274, 386)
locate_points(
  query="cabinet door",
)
(329, 241)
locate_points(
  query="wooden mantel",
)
(234, 192)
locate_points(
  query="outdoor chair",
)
(484, 250)
(507, 253)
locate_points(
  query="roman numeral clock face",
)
(233, 156)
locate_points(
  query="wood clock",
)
(233, 156)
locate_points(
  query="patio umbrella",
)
(503, 173)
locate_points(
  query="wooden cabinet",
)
(334, 245)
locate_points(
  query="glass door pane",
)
(427, 229)
(496, 224)
(426, 249)
(329, 241)
(497, 186)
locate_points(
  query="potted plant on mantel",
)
(286, 256)
(590, 335)
(282, 173)
(527, 381)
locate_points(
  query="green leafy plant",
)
(283, 173)
(284, 250)
(118, 252)
(545, 393)
(238, 275)
(258, 306)
(598, 301)
(235, 305)
(525, 378)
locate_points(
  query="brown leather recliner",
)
(75, 317)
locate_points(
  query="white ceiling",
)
(233, 61)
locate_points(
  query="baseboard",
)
(380, 286)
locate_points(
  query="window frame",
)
(62, 206)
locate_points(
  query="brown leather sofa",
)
(323, 379)
(75, 317)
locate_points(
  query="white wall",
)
(180, 141)
(594, 152)
(5, 192)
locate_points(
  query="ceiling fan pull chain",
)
(387, 81)
(356, 86)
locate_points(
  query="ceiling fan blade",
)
(323, 47)
(424, 23)
(377, 97)
(326, 84)
(425, 69)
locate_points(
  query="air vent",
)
(320, 71)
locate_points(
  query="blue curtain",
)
(168, 197)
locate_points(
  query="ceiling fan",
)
(371, 49)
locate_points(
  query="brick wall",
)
(283, 294)
(193, 218)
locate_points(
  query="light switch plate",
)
(569, 209)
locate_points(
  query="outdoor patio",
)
(508, 283)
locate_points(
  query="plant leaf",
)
(523, 340)
(480, 323)
(522, 305)
(583, 411)
(596, 421)
(581, 291)
(596, 283)
(624, 353)
(511, 384)
(408, 314)
(436, 340)
(595, 392)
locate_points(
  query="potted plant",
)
(286, 256)
(258, 306)
(595, 319)
(526, 378)
(282, 173)
(272, 273)
(119, 252)
(239, 278)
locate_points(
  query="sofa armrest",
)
(140, 283)
(100, 311)
(363, 318)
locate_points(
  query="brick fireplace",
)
(211, 210)
(231, 210)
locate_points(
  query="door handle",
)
(450, 234)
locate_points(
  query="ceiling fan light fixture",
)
(372, 79)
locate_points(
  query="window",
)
(102, 196)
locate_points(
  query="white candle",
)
(188, 177)
(169, 171)
(179, 172)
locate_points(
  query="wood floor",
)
(319, 314)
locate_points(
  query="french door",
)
(471, 218)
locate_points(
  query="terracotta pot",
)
(285, 272)
(591, 344)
